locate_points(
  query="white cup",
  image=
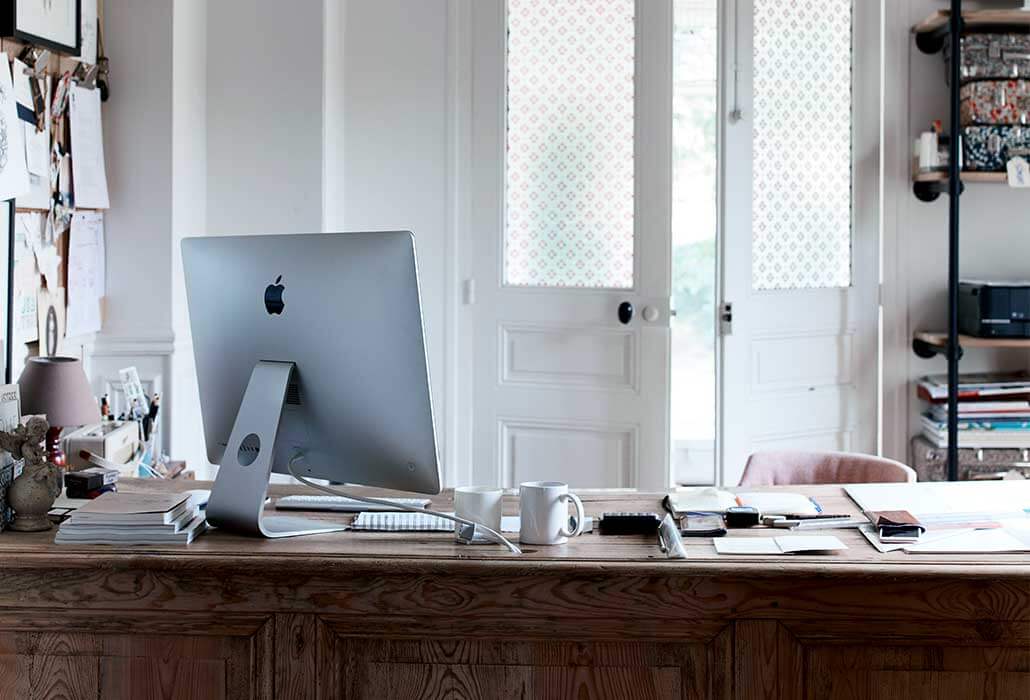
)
(544, 507)
(480, 504)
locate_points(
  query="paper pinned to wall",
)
(86, 273)
(38, 157)
(23, 92)
(14, 177)
(89, 176)
(27, 238)
(88, 21)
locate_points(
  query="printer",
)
(994, 309)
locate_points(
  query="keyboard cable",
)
(466, 533)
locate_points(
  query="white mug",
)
(544, 507)
(480, 504)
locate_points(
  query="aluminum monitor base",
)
(237, 499)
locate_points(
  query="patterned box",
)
(987, 147)
(992, 56)
(991, 102)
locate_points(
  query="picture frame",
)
(53, 24)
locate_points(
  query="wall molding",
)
(143, 345)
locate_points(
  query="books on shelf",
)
(993, 433)
(134, 518)
(977, 386)
(993, 410)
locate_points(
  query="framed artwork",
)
(54, 24)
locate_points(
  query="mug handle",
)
(578, 529)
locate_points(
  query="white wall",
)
(387, 139)
(248, 149)
(264, 116)
(189, 217)
(138, 151)
(995, 241)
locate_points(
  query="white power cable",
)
(493, 534)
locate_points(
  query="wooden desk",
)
(389, 616)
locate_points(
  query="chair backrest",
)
(788, 467)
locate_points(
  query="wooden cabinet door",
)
(135, 656)
(478, 668)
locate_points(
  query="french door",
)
(567, 276)
(801, 227)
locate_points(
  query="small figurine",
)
(32, 494)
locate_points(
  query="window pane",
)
(569, 209)
(801, 208)
(694, 225)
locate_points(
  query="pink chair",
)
(788, 467)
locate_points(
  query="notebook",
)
(427, 522)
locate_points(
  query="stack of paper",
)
(133, 518)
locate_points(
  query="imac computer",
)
(311, 360)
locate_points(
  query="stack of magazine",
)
(993, 410)
(134, 518)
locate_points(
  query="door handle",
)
(625, 312)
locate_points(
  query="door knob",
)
(625, 312)
(650, 314)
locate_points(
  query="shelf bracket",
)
(927, 350)
(930, 190)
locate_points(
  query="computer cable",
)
(466, 533)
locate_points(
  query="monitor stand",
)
(237, 499)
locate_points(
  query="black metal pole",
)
(9, 329)
(954, 191)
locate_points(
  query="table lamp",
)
(57, 387)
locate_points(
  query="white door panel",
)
(799, 368)
(561, 389)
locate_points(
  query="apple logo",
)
(274, 303)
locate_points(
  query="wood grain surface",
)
(363, 615)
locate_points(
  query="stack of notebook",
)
(993, 410)
(133, 518)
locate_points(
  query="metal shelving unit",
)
(931, 35)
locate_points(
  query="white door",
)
(801, 228)
(570, 218)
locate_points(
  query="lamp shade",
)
(57, 386)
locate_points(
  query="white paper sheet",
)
(23, 92)
(746, 545)
(86, 271)
(939, 498)
(787, 544)
(89, 175)
(14, 177)
(996, 541)
(37, 158)
(27, 239)
(779, 503)
(930, 536)
(88, 17)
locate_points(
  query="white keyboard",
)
(340, 504)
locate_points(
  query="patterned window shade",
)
(569, 175)
(801, 201)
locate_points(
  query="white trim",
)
(897, 197)
(460, 349)
(150, 345)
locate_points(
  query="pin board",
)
(52, 65)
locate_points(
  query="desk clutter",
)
(136, 519)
